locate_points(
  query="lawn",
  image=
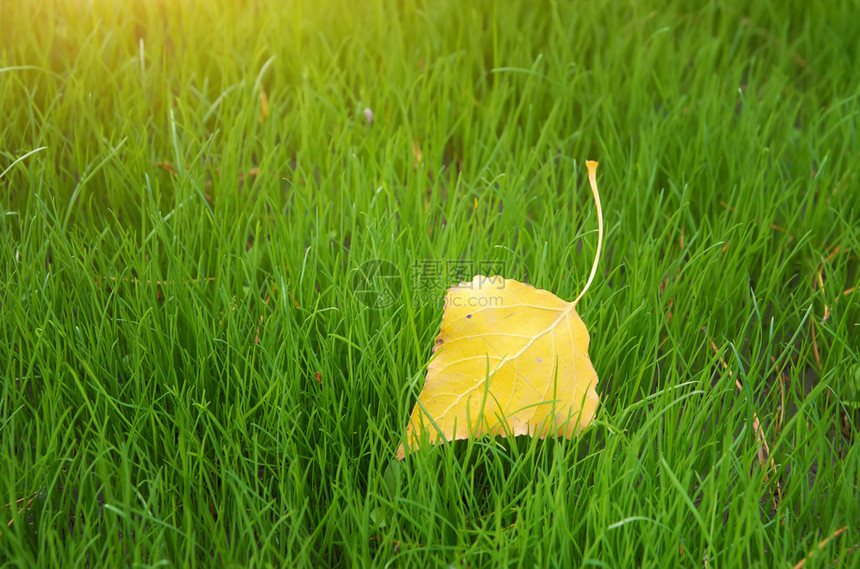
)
(196, 372)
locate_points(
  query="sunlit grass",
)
(190, 379)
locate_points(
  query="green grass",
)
(181, 423)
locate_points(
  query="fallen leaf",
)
(509, 360)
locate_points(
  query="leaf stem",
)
(591, 165)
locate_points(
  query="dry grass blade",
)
(763, 449)
(820, 546)
(21, 510)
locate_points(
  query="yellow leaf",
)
(509, 360)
